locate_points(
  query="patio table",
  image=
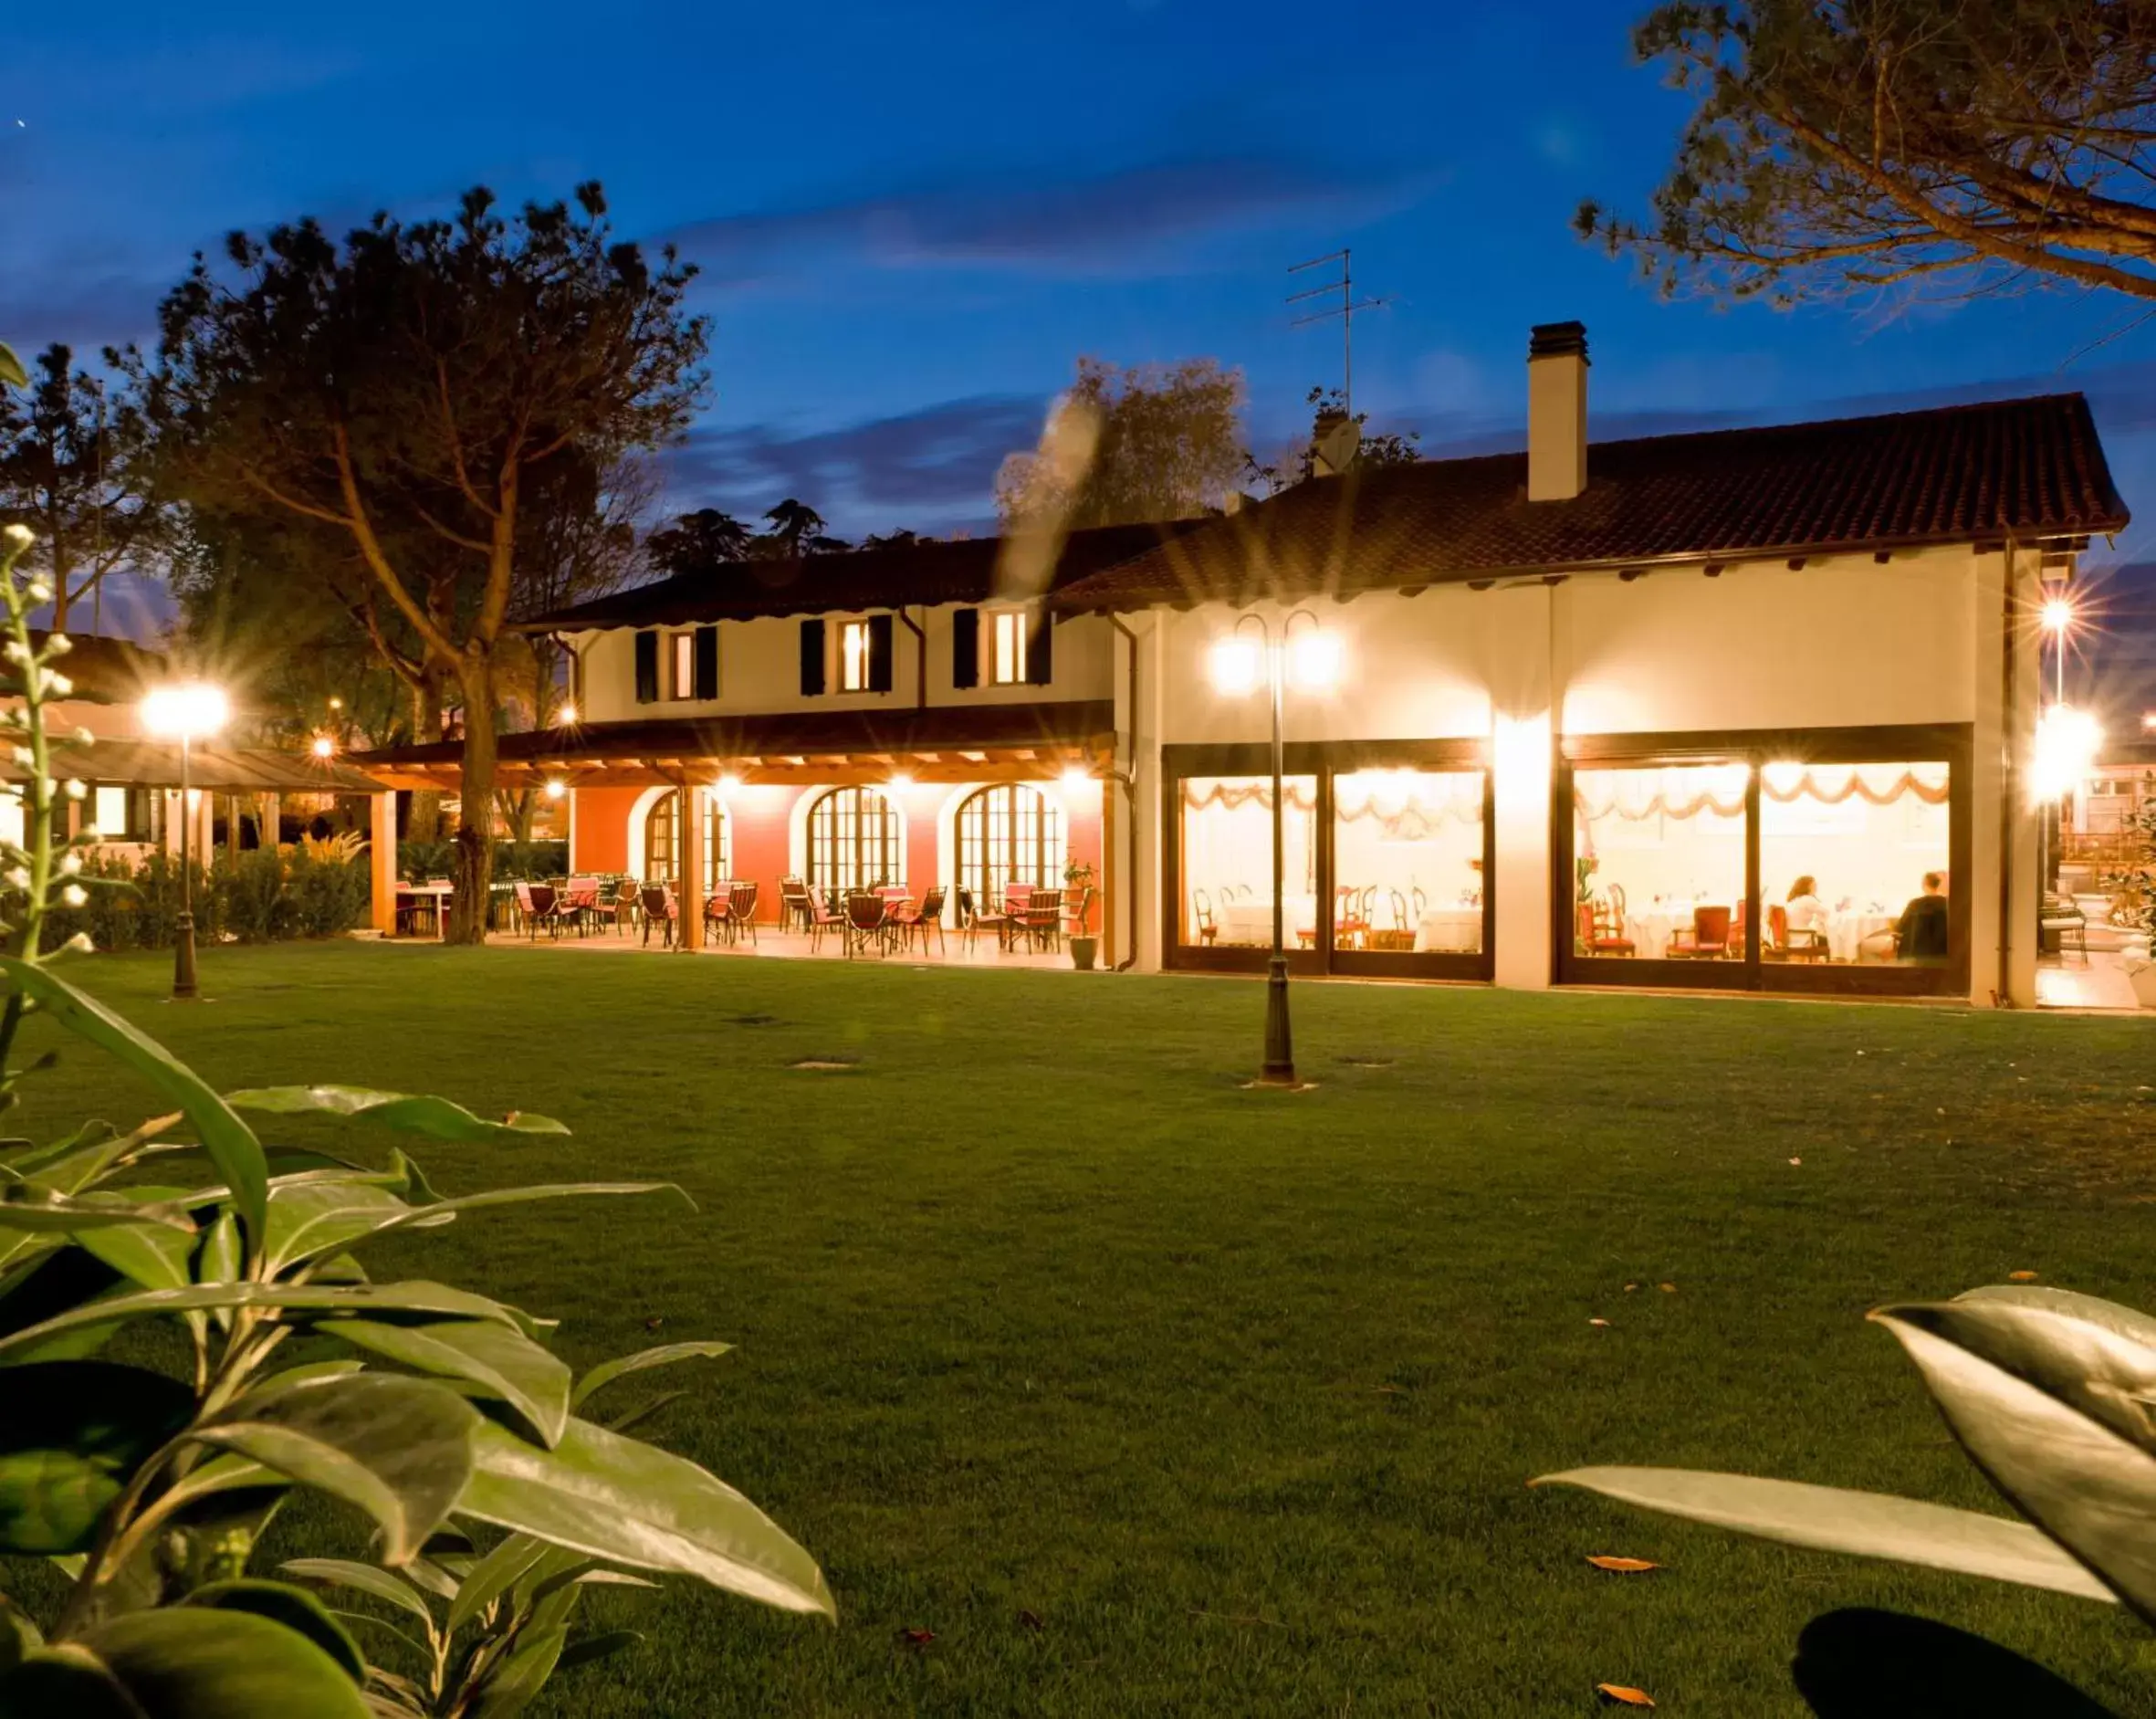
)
(441, 894)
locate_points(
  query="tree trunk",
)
(424, 827)
(474, 824)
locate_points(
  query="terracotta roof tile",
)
(1957, 474)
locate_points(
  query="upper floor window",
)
(680, 655)
(678, 665)
(854, 655)
(1007, 647)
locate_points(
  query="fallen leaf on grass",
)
(1666, 1289)
(1630, 1288)
(917, 1638)
(1797, 1160)
(1621, 1566)
(1597, 1321)
(1031, 1619)
(2021, 1277)
(653, 1323)
(1623, 1695)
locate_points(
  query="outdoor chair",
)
(1043, 922)
(741, 915)
(2063, 924)
(414, 911)
(821, 918)
(719, 913)
(539, 906)
(1708, 939)
(973, 919)
(657, 903)
(621, 910)
(921, 920)
(580, 901)
(868, 916)
(793, 903)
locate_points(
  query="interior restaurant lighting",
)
(187, 711)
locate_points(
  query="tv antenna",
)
(1344, 309)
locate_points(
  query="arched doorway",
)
(661, 838)
(855, 841)
(1011, 833)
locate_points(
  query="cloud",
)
(1098, 224)
(929, 470)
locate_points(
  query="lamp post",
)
(1312, 656)
(2057, 619)
(185, 713)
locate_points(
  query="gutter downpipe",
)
(1128, 781)
(2003, 995)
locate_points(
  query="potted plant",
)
(1078, 876)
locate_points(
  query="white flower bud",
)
(15, 651)
(76, 787)
(24, 757)
(39, 591)
(19, 878)
(83, 737)
(71, 863)
(58, 683)
(58, 644)
(91, 833)
(79, 944)
(75, 895)
(18, 535)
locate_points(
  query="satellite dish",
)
(1338, 447)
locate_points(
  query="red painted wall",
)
(601, 842)
(762, 817)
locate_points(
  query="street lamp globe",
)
(2059, 614)
(189, 710)
(324, 748)
(1238, 665)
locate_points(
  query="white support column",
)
(1519, 629)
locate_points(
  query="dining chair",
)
(656, 902)
(919, 921)
(974, 918)
(1043, 922)
(718, 914)
(868, 915)
(1602, 929)
(1708, 939)
(1351, 926)
(1201, 916)
(793, 902)
(741, 915)
(821, 918)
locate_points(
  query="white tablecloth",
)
(1246, 920)
(1452, 930)
(1650, 928)
(1846, 930)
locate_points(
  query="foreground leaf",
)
(228, 1142)
(181, 1662)
(71, 1436)
(1829, 1519)
(493, 1575)
(414, 1297)
(294, 1607)
(363, 1579)
(629, 1503)
(400, 1449)
(505, 1365)
(664, 1355)
(408, 1113)
(27, 1206)
(2089, 1489)
(516, 1682)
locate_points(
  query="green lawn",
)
(1236, 1392)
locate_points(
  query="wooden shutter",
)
(647, 668)
(880, 629)
(707, 652)
(1041, 652)
(812, 658)
(966, 648)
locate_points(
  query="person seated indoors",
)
(1805, 911)
(1921, 933)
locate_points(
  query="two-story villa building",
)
(1707, 711)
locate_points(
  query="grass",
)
(1041, 1317)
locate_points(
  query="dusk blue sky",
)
(912, 219)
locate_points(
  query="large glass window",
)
(1011, 835)
(853, 841)
(1227, 859)
(1658, 862)
(1853, 862)
(854, 655)
(1408, 861)
(1007, 647)
(662, 831)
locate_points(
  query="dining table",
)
(1248, 919)
(440, 893)
(1651, 927)
(1450, 930)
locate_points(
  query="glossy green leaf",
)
(593, 1648)
(19, 1635)
(154, 1255)
(506, 1366)
(363, 1579)
(227, 1142)
(664, 1355)
(11, 369)
(294, 1607)
(643, 1411)
(27, 1206)
(71, 1435)
(84, 1157)
(407, 1114)
(2087, 1487)
(515, 1683)
(297, 1298)
(181, 1662)
(494, 1575)
(629, 1503)
(2096, 1356)
(1829, 1519)
(311, 1218)
(218, 1261)
(400, 1449)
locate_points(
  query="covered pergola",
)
(1029, 743)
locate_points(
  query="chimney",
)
(1556, 411)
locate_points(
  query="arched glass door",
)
(854, 842)
(1009, 834)
(662, 833)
